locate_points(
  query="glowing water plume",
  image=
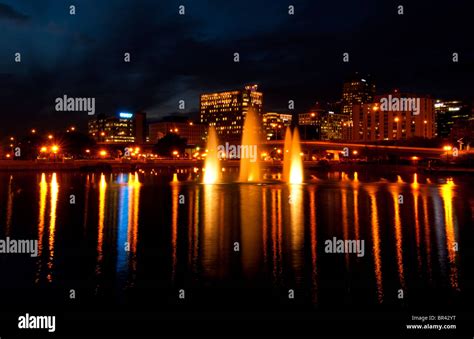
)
(287, 155)
(296, 166)
(211, 165)
(250, 168)
(175, 177)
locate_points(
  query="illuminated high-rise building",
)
(322, 123)
(357, 90)
(226, 111)
(123, 128)
(274, 124)
(448, 114)
(391, 117)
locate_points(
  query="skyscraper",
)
(226, 111)
(390, 117)
(448, 114)
(275, 124)
(123, 128)
(357, 90)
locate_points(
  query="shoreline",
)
(127, 166)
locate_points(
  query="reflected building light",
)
(100, 232)
(427, 229)
(174, 226)
(447, 195)
(416, 195)
(10, 196)
(398, 236)
(52, 224)
(376, 241)
(41, 222)
(314, 243)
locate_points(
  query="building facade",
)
(194, 133)
(448, 114)
(123, 128)
(275, 124)
(357, 90)
(391, 117)
(323, 124)
(226, 111)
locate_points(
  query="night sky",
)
(177, 57)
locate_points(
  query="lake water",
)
(131, 238)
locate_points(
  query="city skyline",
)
(297, 57)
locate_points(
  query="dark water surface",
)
(137, 238)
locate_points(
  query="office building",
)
(275, 124)
(226, 111)
(394, 116)
(448, 114)
(357, 90)
(194, 133)
(124, 128)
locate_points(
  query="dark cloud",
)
(179, 57)
(8, 13)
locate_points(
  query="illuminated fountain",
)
(292, 162)
(250, 168)
(211, 165)
(287, 155)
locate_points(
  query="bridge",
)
(334, 147)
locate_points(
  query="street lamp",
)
(447, 148)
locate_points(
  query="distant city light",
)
(125, 115)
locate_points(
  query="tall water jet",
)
(212, 166)
(296, 166)
(287, 155)
(249, 164)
